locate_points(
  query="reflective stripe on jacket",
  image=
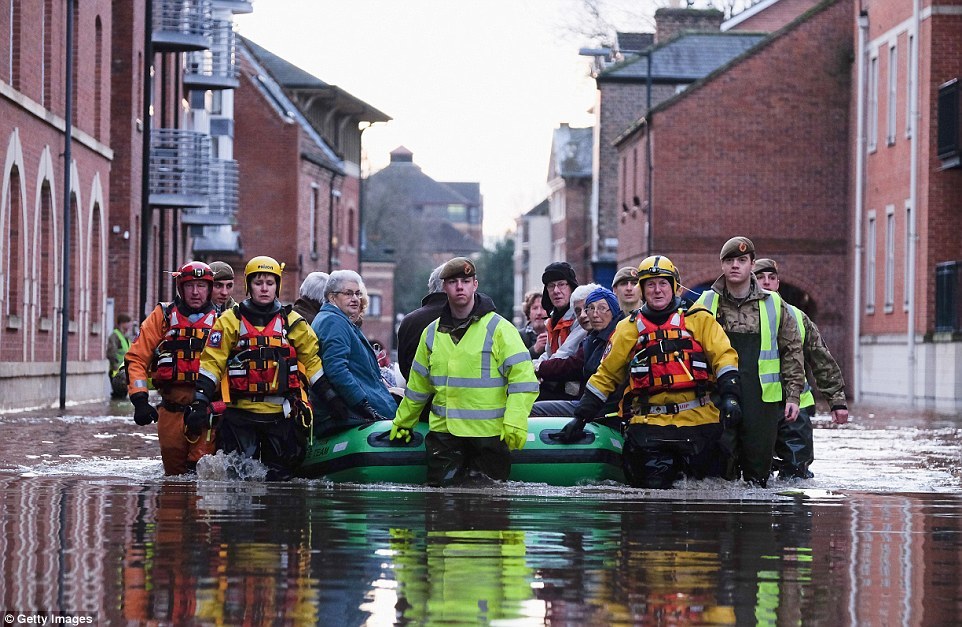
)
(769, 363)
(477, 384)
(807, 399)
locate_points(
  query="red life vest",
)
(667, 357)
(262, 362)
(177, 357)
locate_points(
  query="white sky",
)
(474, 87)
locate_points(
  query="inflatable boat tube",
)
(364, 454)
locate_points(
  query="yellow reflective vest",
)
(807, 399)
(479, 383)
(769, 362)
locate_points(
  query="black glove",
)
(585, 412)
(326, 394)
(730, 407)
(198, 417)
(144, 412)
(365, 411)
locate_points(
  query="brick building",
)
(33, 215)
(907, 202)
(746, 151)
(687, 47)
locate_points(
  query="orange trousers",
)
(179, 454)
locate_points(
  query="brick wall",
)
(750, 153)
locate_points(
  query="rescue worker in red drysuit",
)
(168, 352)
(673, 360)
(262, 357)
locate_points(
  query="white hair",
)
(581, 292)
(435, 283)
(337, 279)
(313, 286)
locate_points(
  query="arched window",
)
(95, 280)
(47, 278)
(11, 316)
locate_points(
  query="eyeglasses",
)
(349, 293)
(599, 310)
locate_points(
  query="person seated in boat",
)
(672, 359)
(310, 295)
(350, 362)
(534, 333)
(261, 356)
(475, 365)
(564, 332)
(562, 379)
(576, 370)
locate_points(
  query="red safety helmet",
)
(193, 271)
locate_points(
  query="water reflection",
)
(221, 553)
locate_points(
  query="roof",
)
(541, 209)
(408, 183)
(318, 151)
(571, 150)
(295, 79)
(686, 58)
(471, 191)
(454, 241)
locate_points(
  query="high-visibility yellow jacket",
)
(479, 383)
(223, 337)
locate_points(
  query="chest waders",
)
(759, 426)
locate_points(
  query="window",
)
(889, 258)
(15, 44)
(872, 121)
(314, 220)
(98, 76)
(870, 264)
(457, 213)
(892, 93)
(906, 266)
(909, 86)
(949, 131)
(374, 306)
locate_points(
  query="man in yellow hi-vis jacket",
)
(478, 370)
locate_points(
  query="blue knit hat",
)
(603, 293)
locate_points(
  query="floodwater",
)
(91, 529)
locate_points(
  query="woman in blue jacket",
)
(349, 361)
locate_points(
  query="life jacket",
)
(263, 362)
(121, 350)
(667, 358)
(177, 356)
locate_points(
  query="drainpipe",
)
(859, 208)
(67, 263)
(913, 200)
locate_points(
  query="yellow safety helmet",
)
(263, 263)
(658, 266)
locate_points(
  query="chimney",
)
(670, 22)
(402, 155)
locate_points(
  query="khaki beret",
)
(459, 267)
(736, 247)
(765, 265)
(628, 273)
(222, 271)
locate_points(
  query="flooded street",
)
(90, 527)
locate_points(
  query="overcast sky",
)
(474, 88)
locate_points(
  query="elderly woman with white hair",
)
(310, 296)
(349, 361)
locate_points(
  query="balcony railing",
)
(216, 67)
(181, 25)
(235, 6)
(179, 168)
(222, 199)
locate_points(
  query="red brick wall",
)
(752, 153)
(578, 227)
(776, 16)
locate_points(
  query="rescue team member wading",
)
(761, 327)
(261, 356)
(672, 360)
(168, 352)
(479, 372)
(794, 447)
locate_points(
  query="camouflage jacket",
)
(825, 370)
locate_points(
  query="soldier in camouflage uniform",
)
(763, 331)
(794, 450)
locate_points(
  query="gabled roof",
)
(295, 79)
(541, 209)
(686, 58)
(408, 183)
(317, 151)
(571, 150)
(471, 191)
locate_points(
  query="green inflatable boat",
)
(364, 454)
